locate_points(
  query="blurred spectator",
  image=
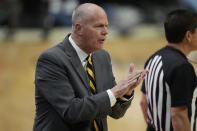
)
(9, 10)
(33, 11)
(59, 13)
(124, 15)
(189, 4)
(46, 19)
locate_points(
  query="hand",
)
(127, 83)
(139, 79)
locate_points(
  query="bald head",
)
(84, 12)
(89, 27)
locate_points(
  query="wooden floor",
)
(17, 67)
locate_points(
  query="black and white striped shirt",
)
(171, 82)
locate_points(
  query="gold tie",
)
(90, 72)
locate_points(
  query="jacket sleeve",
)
(121, 106)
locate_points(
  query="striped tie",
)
(90, 72)
(91, 77)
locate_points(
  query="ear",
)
(78, 29)
(188, 36)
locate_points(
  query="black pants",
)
(150, 128)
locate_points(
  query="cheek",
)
(195, 40)
(195, 43)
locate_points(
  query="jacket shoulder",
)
(53, 52)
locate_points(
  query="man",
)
(169, 90)
(69, 98)
(10, 11)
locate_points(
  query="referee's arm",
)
(144, 107)
(179, 116)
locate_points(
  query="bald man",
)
(75, 89)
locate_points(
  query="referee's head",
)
(177, 23)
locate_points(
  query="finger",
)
(141, 76)
(147, 121)
(136, 73)
(144, 73)
(134, 77)
(131, 78)
(130, 91)
(136, 82)
(139, 79)
(131, 69)
(132, 83)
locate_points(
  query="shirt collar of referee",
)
(82, 55)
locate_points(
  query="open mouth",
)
(101, 40)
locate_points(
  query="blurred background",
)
(28, 27)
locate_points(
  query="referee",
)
(169, 93)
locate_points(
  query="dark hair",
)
(177, 23)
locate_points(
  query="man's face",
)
(95, 31)
(194, 40)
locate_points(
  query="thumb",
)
(131, 69)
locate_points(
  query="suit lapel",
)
(80, 70)
(98, 73)
(74, 59)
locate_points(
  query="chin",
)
(101, 46)
(98, 49)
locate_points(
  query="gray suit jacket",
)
(63, 100)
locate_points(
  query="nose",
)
(104, 31)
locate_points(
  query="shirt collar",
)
(82, 55)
